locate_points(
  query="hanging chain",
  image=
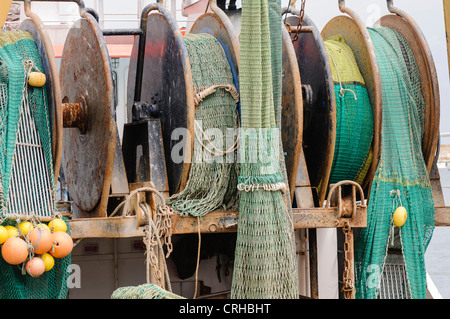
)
(162, 229)
(347, 280)
(300, 21)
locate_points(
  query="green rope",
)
(265, 261)
(401, 172)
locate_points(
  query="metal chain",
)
(300, 21)
(163, 229)
(347, 280)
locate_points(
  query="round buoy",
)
(35, 267)
(41, 239)
(25, 227)
(12, 231)
(15, 250)
(400, 216)
(37, 79)
(57, 224)
(3, 234)
(49, 261)
(62, 244)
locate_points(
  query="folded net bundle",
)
(27, 186)
(265, 263)
(401, 178)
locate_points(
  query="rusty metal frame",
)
(355, 215)
(216, 221)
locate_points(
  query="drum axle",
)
(75, 115)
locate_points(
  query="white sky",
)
(428, 14)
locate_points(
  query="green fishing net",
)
(265, 263)
(213, 174)
(27, 180)
(354, 116)
(145, 291)
(15, 283)
(401, 178)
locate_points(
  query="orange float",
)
(15, 250)
(41, 239)
(62, 244)
(35, 267)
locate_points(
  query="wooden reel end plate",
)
(428, 80)
(358, 39)
(167, 80)
(319, 106)
(85, 77)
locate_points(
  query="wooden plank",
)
(442, 215)
(106, 227)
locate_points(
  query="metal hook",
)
(213, 5)
(390, 5)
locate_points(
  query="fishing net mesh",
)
(145, 291)
(401, 178)
(354, 116)
(213, 174)
(265, 265)
(26, 167)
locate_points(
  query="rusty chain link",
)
(300, 21)
(347, 280)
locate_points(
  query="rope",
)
(198, 256)
(154, 231)
(202, 92)
(217, 151)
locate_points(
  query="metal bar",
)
(313, 268)
(226, 221)
(351, 261)
(216, 221)
(75, 115)
(119, 32)
(80, 3)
